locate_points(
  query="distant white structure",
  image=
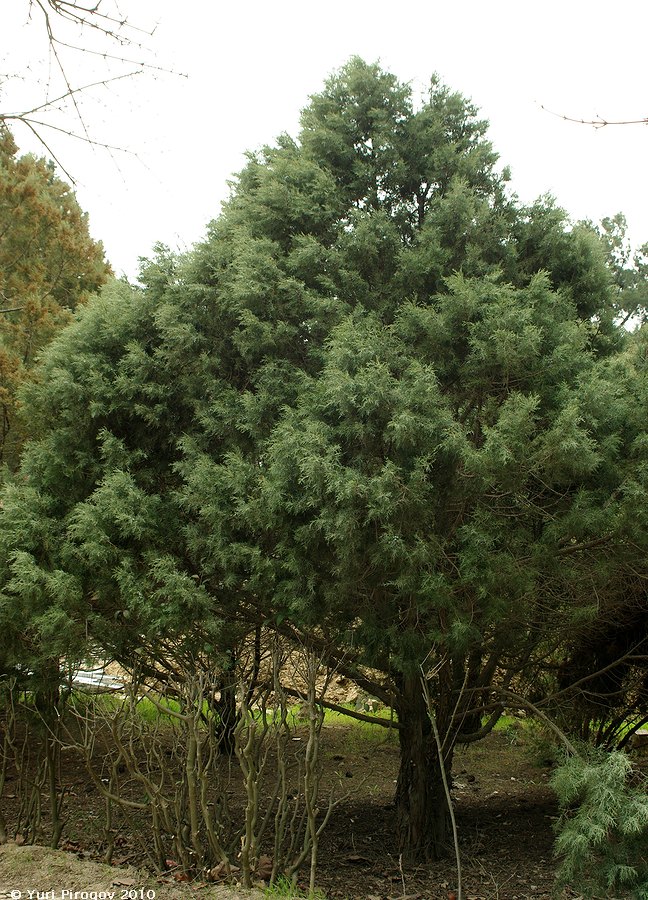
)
(96, 680)
(639, 741)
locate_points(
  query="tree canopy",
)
(49, 264)
(378, 409)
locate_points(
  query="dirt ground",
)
(504, 809)
(25, 869)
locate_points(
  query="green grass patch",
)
(360, 733)
(83, 703)
(284, 888)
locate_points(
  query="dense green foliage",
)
(49, 264)
(90, 551)
(629, 269)
(383, 408)
(603, 831)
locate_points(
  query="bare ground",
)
(39, 869)
(504, 809)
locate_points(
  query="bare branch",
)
(562, 737)
(598, 122)
(49, 104)
(351, 713)
(114, 31)
(53, 155)
(88, 16)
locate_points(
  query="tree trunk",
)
(422, 815)
(227, 712)
(47, 699)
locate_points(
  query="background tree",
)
(373, 412)
(49, 264)
(629, 269)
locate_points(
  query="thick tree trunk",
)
(422, 815)
(226, 709)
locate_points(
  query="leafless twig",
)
(598, 122)
(117, 42)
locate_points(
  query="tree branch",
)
(598, 122)
(115, 30)
(351, 713)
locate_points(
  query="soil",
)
(49, 872)
(503, 804)
(504, 810)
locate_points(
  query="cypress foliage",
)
(371, 411)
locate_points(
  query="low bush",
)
(602, 833)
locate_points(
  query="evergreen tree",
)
(416, 468)
(603, 828)
(48, 265)
(372, 411)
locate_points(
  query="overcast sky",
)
(251, 67)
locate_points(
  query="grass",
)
(284, 888)
(108, 704)
(359, 735)
(362, 734)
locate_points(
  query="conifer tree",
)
(372, 411)
(48, 265)
(603, 827)
(408, 357)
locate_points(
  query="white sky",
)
(251, 67)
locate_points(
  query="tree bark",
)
(227, 711)
(422, 815)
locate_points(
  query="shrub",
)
(603, 827)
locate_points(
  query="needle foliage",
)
(383, 409)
